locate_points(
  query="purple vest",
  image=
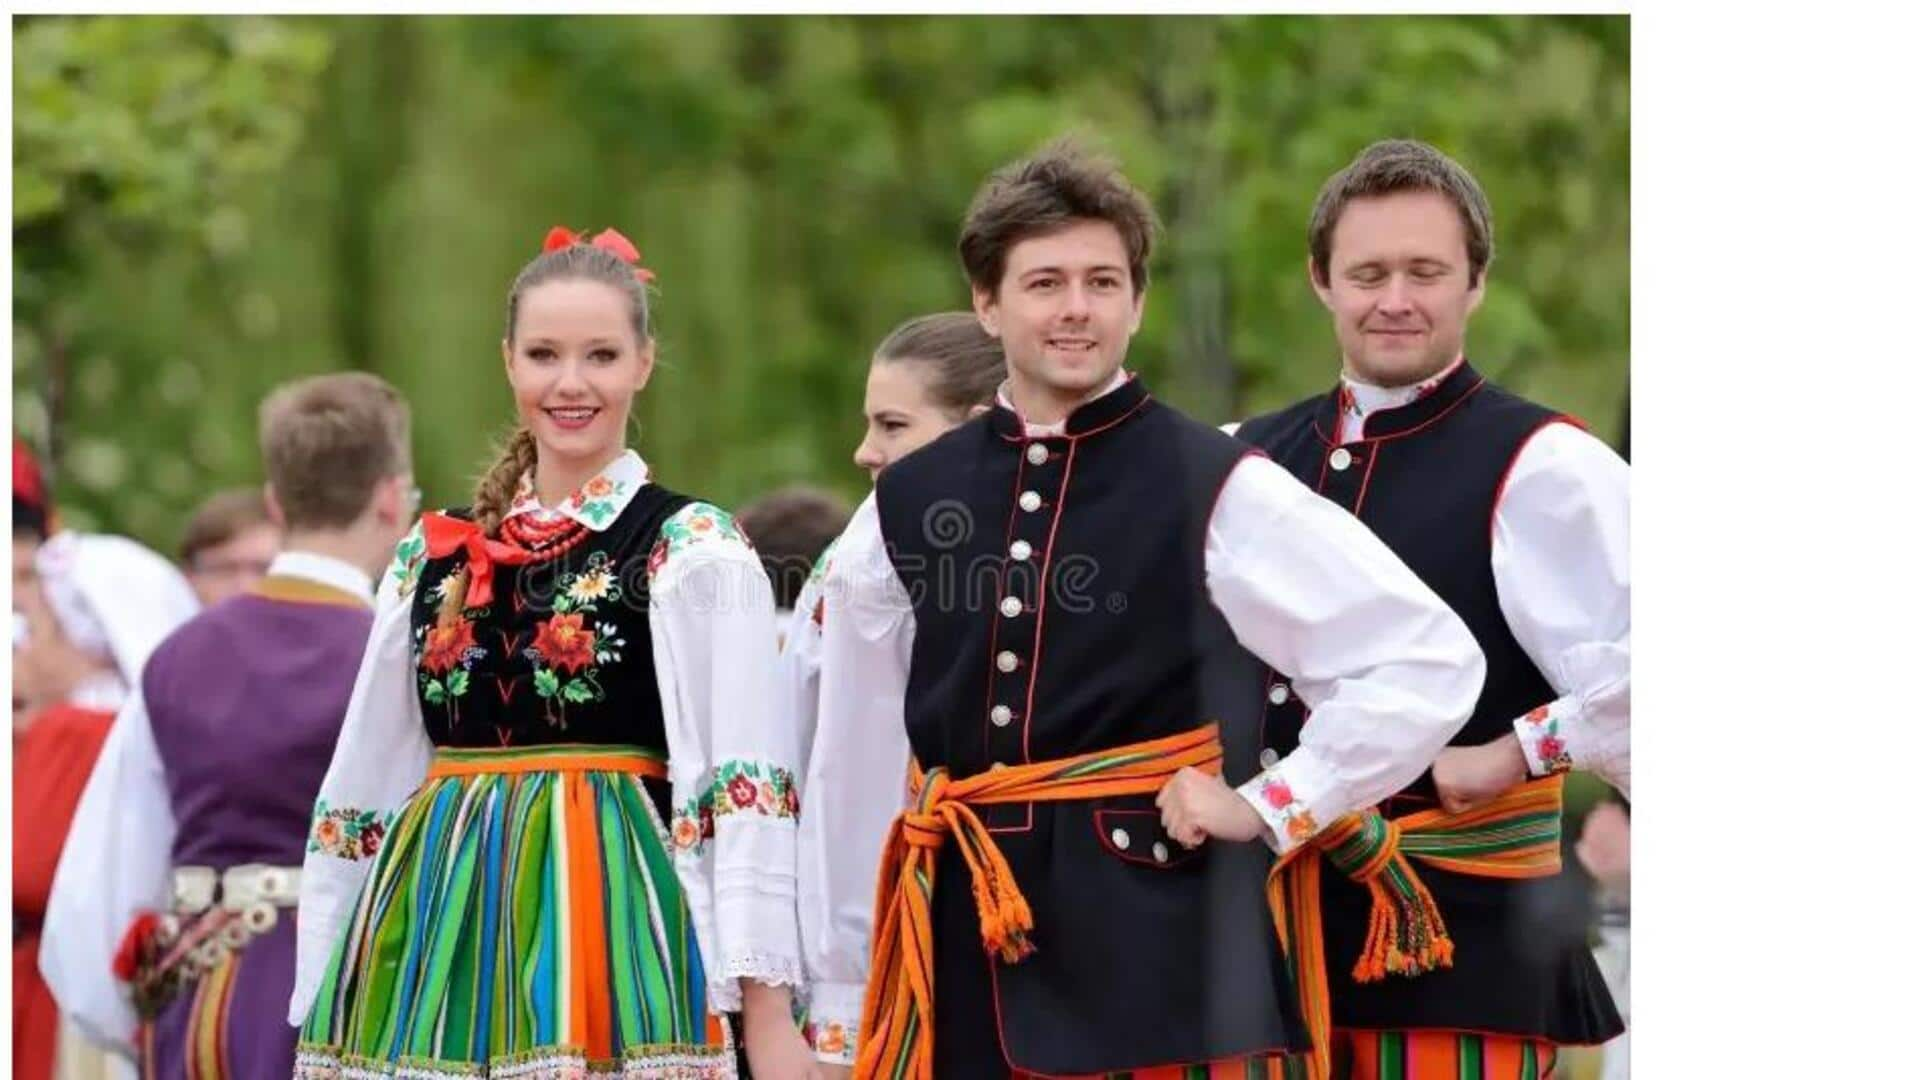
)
(246, 702)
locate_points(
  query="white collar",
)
(325, 570)
(1364, 399)
(1047, 431)
(596, 503)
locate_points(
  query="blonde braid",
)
(491, 498)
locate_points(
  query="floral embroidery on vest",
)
(446, 652)
(568, 651)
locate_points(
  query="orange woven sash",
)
(1517, 835)
(897, 1016)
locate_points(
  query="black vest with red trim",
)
(1426, 478)
(1058, 590)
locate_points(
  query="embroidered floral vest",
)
(561, 654)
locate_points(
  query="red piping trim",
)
(1500, 489)
(999, 593)
(1421, 426)
(1137, 406)
(1367, 478)
(1177, 853)
(1040, 604)
(993, 643)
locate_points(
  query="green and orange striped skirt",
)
(522, 921)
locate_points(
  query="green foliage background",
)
(204, 206)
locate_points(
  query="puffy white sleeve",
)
(1561, 567)
(116, 864)
(137, 595)
(731, 751)
(1389, 672)
(800, 658)
(379, 762)
(856, 780)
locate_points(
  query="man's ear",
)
(986, 308)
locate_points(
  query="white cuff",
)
(1293, 797)
(1541, 739)
(833, 1021)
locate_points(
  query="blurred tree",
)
(132, 138)
(798, 184)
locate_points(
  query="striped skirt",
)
(522, 921)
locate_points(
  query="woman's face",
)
(575, 364)
(901, 416)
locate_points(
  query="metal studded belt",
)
(237, 889)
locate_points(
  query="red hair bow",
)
(608, 240)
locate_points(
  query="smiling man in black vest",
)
(1049, 610)
(1517, 517)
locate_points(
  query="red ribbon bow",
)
(607, 240)
(446, 535)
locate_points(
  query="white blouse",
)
(1389, 671)
(711, 620)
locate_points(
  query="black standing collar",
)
(1091, 418)
(1402, 419)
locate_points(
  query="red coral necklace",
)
(545, 541)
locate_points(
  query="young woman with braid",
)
(557, 835)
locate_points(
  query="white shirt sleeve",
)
(116, 863)
(379, 762)
(732, 754)
(800, 663)
(136, 594)
(1560, 565)
(856, 780)
(1388, 671)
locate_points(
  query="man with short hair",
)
(228, 544)
(1517, 517)
(1045, 611)
(170, 930)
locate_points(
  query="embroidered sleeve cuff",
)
(346, 832)
(1543, 741)
(833, 1021)
(1294, 798)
